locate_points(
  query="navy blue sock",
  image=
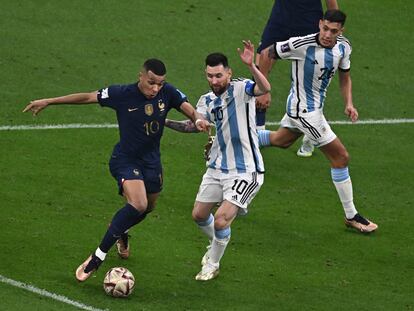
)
(124, 219)
(260, 117)
(124, 236)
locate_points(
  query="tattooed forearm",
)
(186, 126)
(272, 51)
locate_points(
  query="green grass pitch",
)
(292, 252)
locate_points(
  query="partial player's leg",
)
(205, 221)
(282, 138)
(132, 213)
(122, 244)
(153, 186)
(238, 191)
(337, 154)
(130, 178)
(210, 193)
(223, 219)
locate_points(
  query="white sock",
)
(344, 189)
(219, 244)
(343, 185)
(100, 254)
(207, 227)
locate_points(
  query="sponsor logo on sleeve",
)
(104, 93)
(285, 48)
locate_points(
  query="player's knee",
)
(278, 140)
(220, 222)
(139, 204)
(197, 215)
(341, 160)
(344, 159)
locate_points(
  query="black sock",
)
(124, 219)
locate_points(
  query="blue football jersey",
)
(141, 120)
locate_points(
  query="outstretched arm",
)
(200, 123)
(247, 57)
(186, 126)
(36, 106)
(345, 84)
(265, 66)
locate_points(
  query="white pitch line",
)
(109, 125)
(45, 293)
(56, 126)
(360, 122)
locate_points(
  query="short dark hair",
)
(335, 16)
(215, 59)
(156, 66)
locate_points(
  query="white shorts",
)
(239, 189)
(313, 125)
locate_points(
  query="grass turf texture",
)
(291, 253)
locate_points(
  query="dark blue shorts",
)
(123, 168)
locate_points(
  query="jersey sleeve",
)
(109, 96)
(345, 62)
(289, 49)
(201, 107)
(176, 97)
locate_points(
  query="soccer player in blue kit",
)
(135, 163)
(289, 18)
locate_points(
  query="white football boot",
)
(206, 255)
(208, 272)
(306, 150)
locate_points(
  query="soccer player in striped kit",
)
(235, 167)
(315, 59)
(289, 18)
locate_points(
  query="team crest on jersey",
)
(149, 110)
(161, 106)
(285, 48)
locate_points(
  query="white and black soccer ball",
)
(119, 282)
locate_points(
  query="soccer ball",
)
(119, 282)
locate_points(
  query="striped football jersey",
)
(236, 146)
(313, 67)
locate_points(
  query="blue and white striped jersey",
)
(236, 147)
(313, 67)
